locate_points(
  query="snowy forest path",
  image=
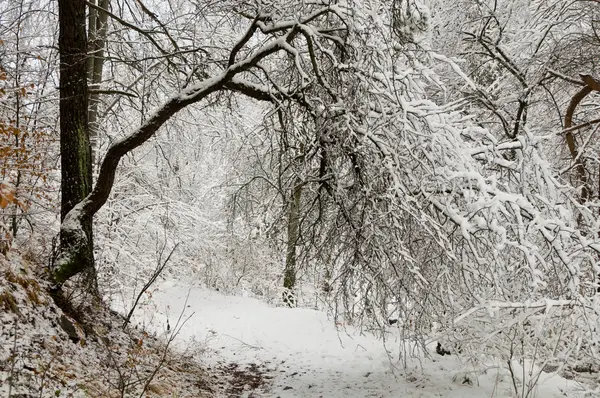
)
(257, 350)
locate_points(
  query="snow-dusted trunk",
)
(73, 229)
(76, 173)
(293, 232)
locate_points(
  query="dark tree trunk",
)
(76, 172)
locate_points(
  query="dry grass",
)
(8, 302)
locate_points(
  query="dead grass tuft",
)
(8, 302)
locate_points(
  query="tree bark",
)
(580, 168)
(293, 233)
(76, 173)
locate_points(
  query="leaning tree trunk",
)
(76, 172)
(590, 85)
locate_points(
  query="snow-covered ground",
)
(49, 351)
(305, 355)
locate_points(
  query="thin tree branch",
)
(149, 283)
(579, 127)
(113, 92)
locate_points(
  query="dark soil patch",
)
(234, 379)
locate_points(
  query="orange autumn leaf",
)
(7, 196)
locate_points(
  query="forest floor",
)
(52, 351)
(269, 351)
(194, 342)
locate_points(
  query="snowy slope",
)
(306, 355)
(44, 352)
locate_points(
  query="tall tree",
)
(75, 148)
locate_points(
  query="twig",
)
(254, 347)
(150, 282)
(565, 77)
(45, 372)
(178, 326)
(579, 126)
(14, 359)
(112, 92)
